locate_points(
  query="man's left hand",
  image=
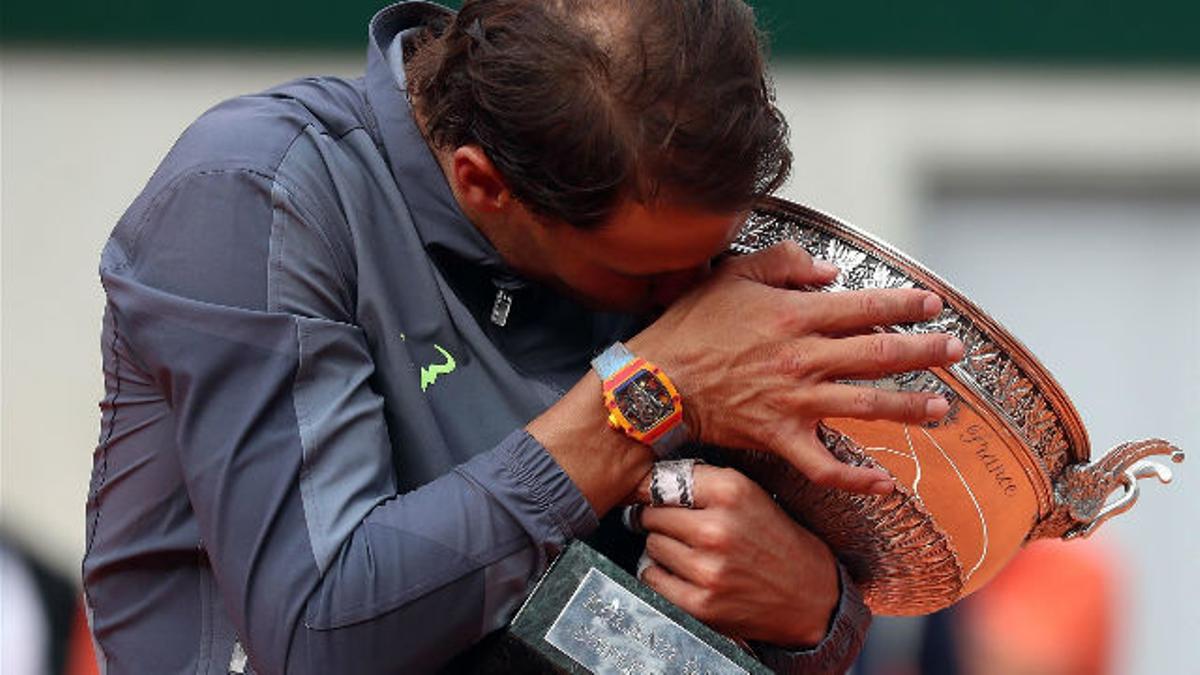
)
(740, 564)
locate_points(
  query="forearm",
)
(430, 572)
(452, 560)
(604, 464)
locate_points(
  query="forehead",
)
(651, 239)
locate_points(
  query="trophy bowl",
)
(1008, 464)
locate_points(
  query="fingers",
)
(814, 461)
(687, 596)
(679, 524)
(784, 265)
(676, 556)
(850, 311)
(709, 484)
(867, 403)
(641, 494)
(878, 354)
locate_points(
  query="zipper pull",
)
(501, 307)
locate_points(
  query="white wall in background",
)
(1106, 291)
(81, 134)
(82, 131)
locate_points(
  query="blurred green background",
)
(1021, 31)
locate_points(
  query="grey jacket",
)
(312, 448)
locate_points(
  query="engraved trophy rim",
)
(999, 377)
(1078, 442)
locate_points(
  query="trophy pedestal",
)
(587, 615)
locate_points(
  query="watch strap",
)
(612, 360)
(668, 443)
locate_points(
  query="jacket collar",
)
(439, 221)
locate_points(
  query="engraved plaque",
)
(610, 631)
(587, 615)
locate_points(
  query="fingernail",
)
(882, 487)
(643, 563)
(824, 268)
(954, 349)
(936, 408)
(932, 305)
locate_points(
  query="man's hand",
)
(738, 562)
(758, 361)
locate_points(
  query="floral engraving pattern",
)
(1011, 392)
(902, 561)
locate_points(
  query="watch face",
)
(644, 401)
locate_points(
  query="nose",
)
(669, 286)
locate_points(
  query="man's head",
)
(573, 119)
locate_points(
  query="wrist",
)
(604, 464)
(813, 628)
(837, 649)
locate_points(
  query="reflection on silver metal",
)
(1025, 395)
(673, 483)
(901, 552)
(1083, 492)
(609, 630)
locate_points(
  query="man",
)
(350, 418)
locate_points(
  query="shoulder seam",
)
(174, 184)
(310, 207)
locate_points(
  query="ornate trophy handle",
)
(1082, 493)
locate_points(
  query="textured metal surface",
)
(1082, 494)
(610, 631)
(995, 363)
(905, 561)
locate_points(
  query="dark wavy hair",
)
(582, 103)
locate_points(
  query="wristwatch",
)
(641, 400)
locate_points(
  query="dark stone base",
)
(638, 633)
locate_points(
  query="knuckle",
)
(870, 306)
(713, 536)
(802, 309)
(914, 407)
(733, 485)
(880, 351)
(772, 438)
(823, 474)
(866, 401)
(795, 362)
(709, 576)
(650, 577)
(653, 545)
(788, 321)
(916, 302)
(795, 252)
(705, 604)
(720, 577)
(742, 487)
(936, 346)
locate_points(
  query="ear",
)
(477, 182)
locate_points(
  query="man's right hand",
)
(758, 360)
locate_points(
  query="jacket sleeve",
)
(841, 644)
(285, 454)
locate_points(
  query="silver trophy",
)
(1008, 464)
